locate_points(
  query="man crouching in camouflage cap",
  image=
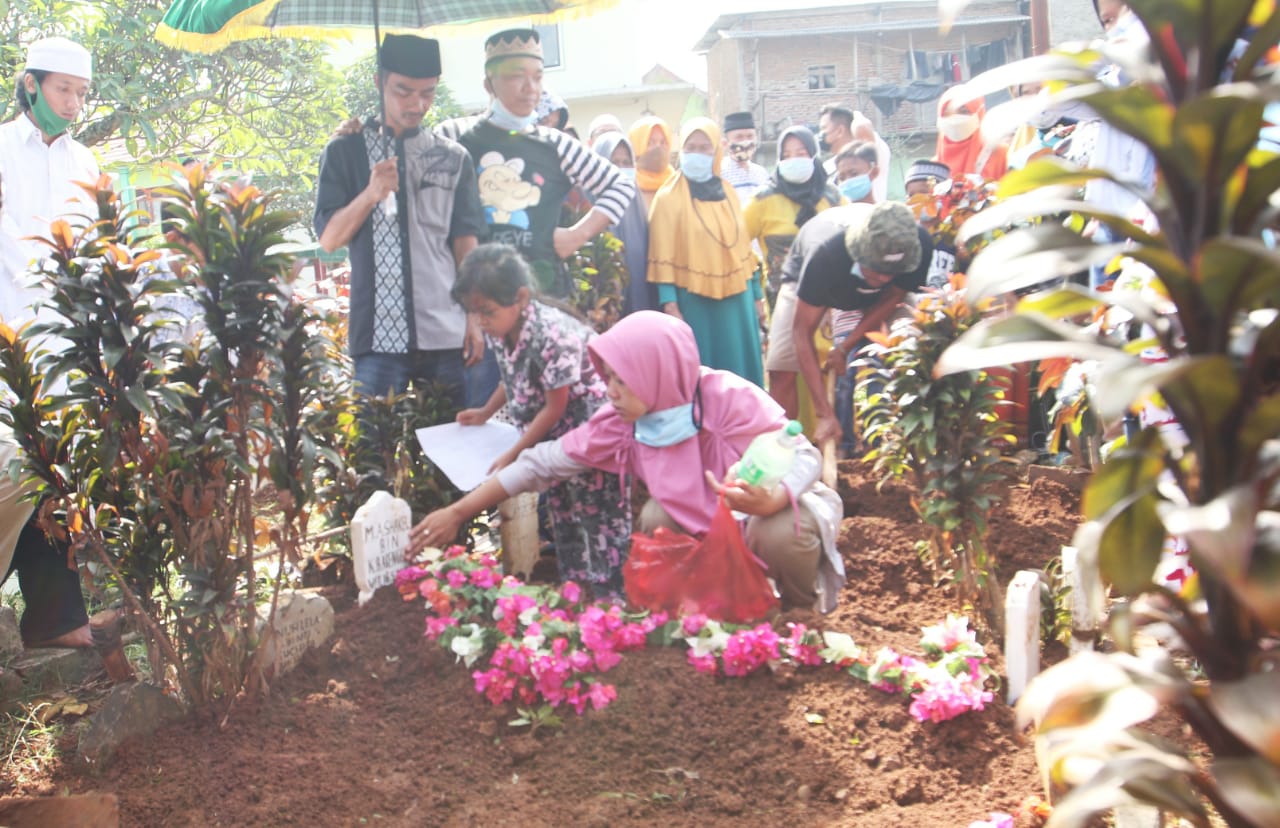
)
(858, 257)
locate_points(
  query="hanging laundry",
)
(889, 96)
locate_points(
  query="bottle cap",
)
(794, 427)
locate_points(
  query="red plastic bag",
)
(716, 576)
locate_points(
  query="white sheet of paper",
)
(465, 453)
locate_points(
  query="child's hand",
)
(505, 459)
(472, 417)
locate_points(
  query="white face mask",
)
(796, 170)
(958, 127)
(1125, 27)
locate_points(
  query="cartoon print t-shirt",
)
(522, 187)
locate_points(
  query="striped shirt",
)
(524, 178)
(745, 180)
(610, 190)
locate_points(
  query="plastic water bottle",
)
(769, 457)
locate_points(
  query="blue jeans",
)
(377, 374)
(844, 411)
(480, 380)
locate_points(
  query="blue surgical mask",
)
(502, 118)
(796, 170)
(667, 427)
(696, 166)
(856, 188)
(628, 173)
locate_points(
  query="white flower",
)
(840, 647)
(468, 647)
(710, 641)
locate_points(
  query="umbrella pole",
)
(389, 203)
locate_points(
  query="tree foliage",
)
(360, 96)
(263, 107)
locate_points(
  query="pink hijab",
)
(656, 355)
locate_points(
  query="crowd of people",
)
(457, 251)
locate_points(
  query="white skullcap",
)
(606, 123)
(57, 54)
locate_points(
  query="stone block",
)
(44, 668)
(10, 636)
(92, 810)
(129, 710)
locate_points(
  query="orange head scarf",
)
(639, 134)
(699, 245)
(966, 156)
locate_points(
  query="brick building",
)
(784, 65)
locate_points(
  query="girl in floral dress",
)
(549, 386)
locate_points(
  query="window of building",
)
(550, 34)
(822, 77)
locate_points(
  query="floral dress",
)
(590, 513)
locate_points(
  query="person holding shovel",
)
(855, 257)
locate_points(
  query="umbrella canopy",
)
(210, 25)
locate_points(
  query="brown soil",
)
(385, 729)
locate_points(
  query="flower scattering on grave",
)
(547, 645)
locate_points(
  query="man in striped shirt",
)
(525, 171)
(738, 169)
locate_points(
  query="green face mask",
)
(50, 122)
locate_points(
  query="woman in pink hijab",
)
(681, 428)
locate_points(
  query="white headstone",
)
(303, 620)
(379, 534)
(1022, 632)
(1085, 601)
(1137, 816)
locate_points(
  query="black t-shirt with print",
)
(825, 274)
(522, 187)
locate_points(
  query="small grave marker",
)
(1022, 631)
(303, 620)
(1085, 599)
(379, 534)
(1137, 816)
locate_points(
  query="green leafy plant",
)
(152, 457)
(598, 277)
(1055, 604)
(537, 717)
(375, 448)
(942, 433)
(1197, 104)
